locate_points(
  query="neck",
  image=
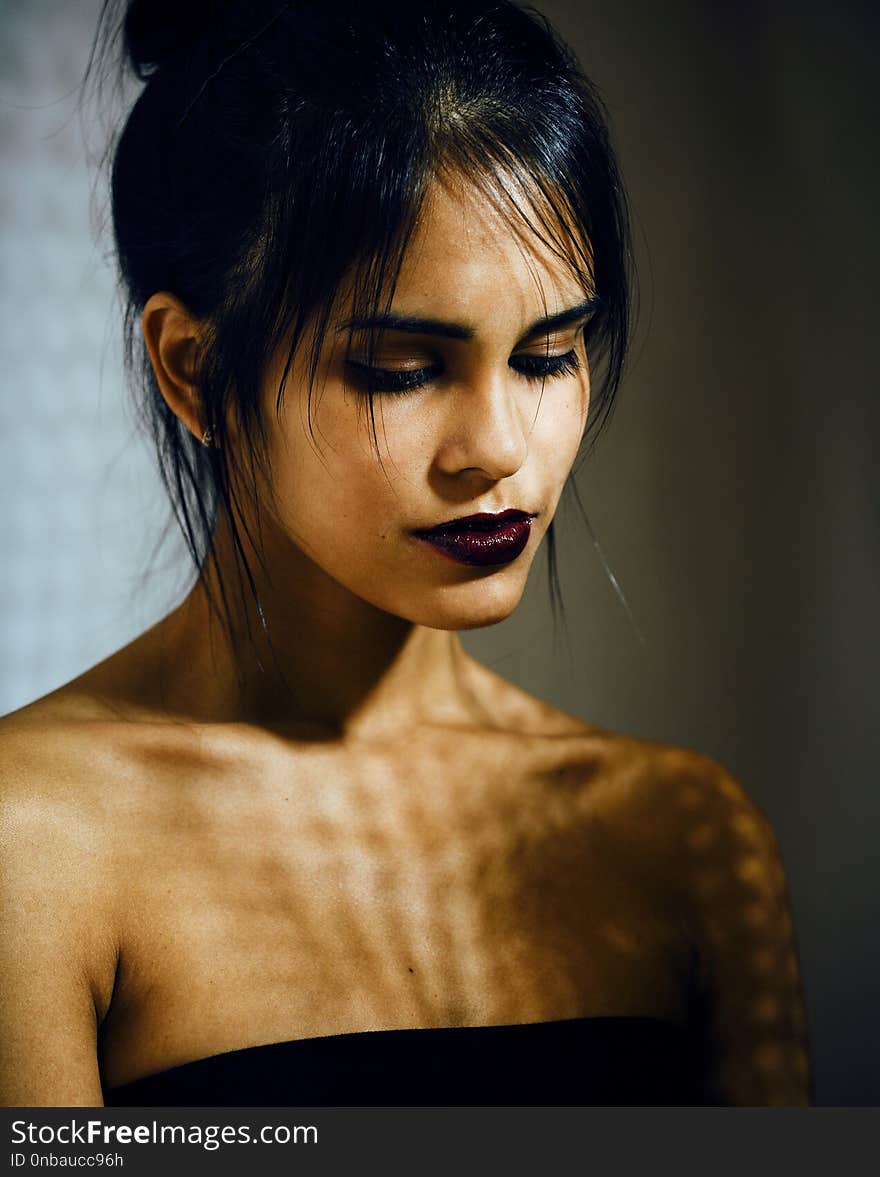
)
(311, 653)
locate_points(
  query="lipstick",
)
(481, 539)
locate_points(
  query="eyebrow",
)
(419, 326)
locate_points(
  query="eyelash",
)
(399, 383)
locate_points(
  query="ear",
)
(172, 336)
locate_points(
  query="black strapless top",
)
(600, 1061)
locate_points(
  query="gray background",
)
(734, 496)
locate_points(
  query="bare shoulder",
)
(57, 821)
(679, 798)
(691, 832)
(82, 776)
(684, 790)
(721, 867)
(84, 789)
(674, 812)
(53, 753)
(706, 819)
(58, 952)
(717, 847)
(664, 790)
(672, 805)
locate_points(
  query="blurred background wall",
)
(736, 496)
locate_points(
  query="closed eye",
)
(539, 367)
(393, 380)
(399, 381)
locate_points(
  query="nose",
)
(486, 432)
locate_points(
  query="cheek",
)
(559, 429)
(338, 481)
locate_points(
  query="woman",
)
(293, 845)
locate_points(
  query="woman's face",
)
(464, 422)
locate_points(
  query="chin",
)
(472, 606)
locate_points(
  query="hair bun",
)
(156, 31)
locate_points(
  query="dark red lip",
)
(482, 539)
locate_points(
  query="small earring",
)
(207, 439)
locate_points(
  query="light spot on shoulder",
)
(702, 837)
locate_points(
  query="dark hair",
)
(279, 148)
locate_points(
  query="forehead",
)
(472, 253)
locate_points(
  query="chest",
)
(357, 907)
